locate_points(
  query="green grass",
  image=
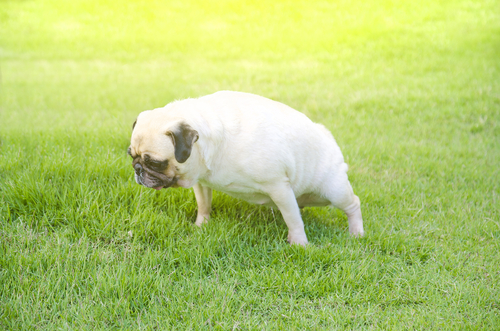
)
(410, 90)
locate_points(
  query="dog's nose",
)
(138, 168)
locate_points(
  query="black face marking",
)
(133, 125)
(183, 136)
(156, 165)
(129, 151)
(149, 163)
(161, 165)
(149, 172)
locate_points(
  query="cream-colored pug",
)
(249, 147)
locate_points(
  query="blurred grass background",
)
(410, 90)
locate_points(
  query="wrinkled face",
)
(153, 172)
(159, 148)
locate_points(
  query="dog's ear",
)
(184, 137)
(133, 125)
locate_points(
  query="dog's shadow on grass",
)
(322, 224)
(240, 223)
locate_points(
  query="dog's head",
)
(159, 149)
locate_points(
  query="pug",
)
(248, 147)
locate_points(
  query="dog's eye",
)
(157, 164)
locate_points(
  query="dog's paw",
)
(201, 219)
(297, 239)
(357, 232)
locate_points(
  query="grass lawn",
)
(410, 90)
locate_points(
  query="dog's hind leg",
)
(203, 197)
(355, 218)
(341, 195)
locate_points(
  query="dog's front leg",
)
(203, 197)
(283, 196)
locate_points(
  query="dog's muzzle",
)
(151, 178)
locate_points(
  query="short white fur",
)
(255, 149)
